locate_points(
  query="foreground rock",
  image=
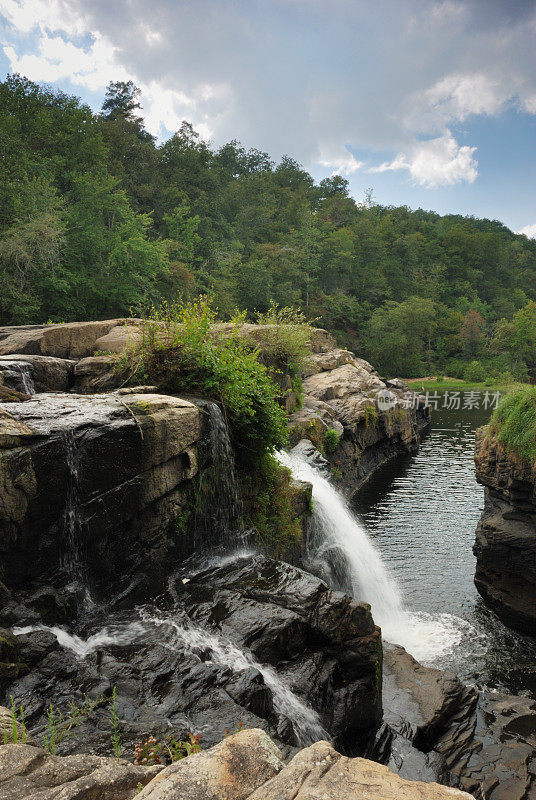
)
(246, 766)
(231, 770)
(31, 773)
(320, 773)
(505, 545)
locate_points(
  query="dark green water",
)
(421, 513)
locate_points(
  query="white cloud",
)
(529, 231)
(340, 161)
(57, 60)
(373, 76)
(51, 14)
(436, 162)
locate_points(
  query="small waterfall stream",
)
(18, 375)
(341, 552)
(220, 514)
(304, 720)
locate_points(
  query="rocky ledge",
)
(246, 766)
(357, 419)
(340, 413)
(505, 545)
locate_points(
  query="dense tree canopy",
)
(97, 219)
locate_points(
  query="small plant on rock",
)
(331, 440)
(150, 751)
(17, 731)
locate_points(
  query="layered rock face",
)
(505, 545)
(375, 420)
(81, 476)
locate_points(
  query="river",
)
(421, 512)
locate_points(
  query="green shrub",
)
(514, 424)
(182, 350)
(331, 440)
(284, 341)
(272, 513)
(475, 372)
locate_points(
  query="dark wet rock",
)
(505, 545)
(45, 373)
(480, 742)
(435, 695)
(98, 469)
(243, 616)
(489, 749)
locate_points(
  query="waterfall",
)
(18, 375)
(220, 509)
(74, 559)
(340, 551)
(304, 720)
(110, 635)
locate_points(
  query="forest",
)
(98, 219)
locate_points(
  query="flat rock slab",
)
(320, 773)
(231, 770)
(30, 773)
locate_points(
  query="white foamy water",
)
(341, 544)
(305, 721)
(83, 647)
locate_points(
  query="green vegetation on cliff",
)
(184, 349)
(513, 424)
(97, 218)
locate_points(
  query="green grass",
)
(513, 424)
(435, 385)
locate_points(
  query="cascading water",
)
(74, 556)
(304, 720)
(110, 635)
(175, 635)
(18, 375)
(219, 513)
(340, 551)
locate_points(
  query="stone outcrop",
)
(87, 473)
(246, 766)
(31, 773)
(370, 420)
(438, 729)
(320, 773)
(247, 640)
(505, 546)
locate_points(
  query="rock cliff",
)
(505, 546)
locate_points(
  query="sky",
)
(430, 103)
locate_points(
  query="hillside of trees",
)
(97, 219)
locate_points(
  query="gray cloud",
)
(310, 77)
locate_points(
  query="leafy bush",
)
(475, 371)
(331, 440)
(514, 424)
(284, 341)
(182, 349)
